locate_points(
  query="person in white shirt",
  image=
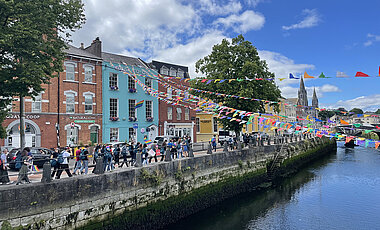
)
(65, 164)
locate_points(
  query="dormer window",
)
(181, 73)
(164, 70)
(173, 72)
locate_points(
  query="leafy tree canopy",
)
(326, 114)
(238, 59)
(356, 111)
(377, 111)
(32, 38)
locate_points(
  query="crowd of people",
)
(110, 157)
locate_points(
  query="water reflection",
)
(338, 192)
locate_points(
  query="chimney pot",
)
(82, 45)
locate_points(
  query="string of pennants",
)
(264, 121)
(193, 98)
(322, 75)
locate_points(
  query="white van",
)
(224, 136)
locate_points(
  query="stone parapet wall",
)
(161, 193)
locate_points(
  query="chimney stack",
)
(82, 46)
(95, 47)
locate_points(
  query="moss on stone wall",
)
(163, 212)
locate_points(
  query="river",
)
(341, 191)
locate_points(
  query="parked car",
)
(39, 155)
(223, 136)
(261, 134)
(160, 139)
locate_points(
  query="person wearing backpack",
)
(63, 160)
(78, 162)
(108, 159)
(54, 162)
(213, 143)
(84, 158)
(116, 155)
(124, 153)
(23, 173)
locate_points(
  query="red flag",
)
(361, 74)
(379, 71)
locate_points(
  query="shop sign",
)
(82, 117)
(84, 121)
(205, 121)
(16, 116)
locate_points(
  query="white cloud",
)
(367, 103)
(136, 25)
(249, 20)
(188, 54)
(281, 66)
(212, 7)
(371, 39)
(253, 3)
(292, 92)
(312, 18)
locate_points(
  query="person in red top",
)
(78, 164)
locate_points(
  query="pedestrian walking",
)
(163, 150)
(144, 153)
(23, 173)
(4, 178)
(116, 155)
(124, 153)
(78, 162)
(84, 158)
(65, 164)
(213, 143)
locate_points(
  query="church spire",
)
(314, 102)
(302, 94)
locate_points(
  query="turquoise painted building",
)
(121, 121)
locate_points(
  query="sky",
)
(293, 36)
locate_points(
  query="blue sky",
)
(292, 36)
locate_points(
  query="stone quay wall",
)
(152, 196)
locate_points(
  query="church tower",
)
(302, 94)
(302, 112)
(314, 102)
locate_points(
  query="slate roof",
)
(157, 65)
(115, 58)
(80, 52)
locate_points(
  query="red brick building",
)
(72, 102)
(175, 120)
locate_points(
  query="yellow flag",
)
(281, 79)
(366, 115)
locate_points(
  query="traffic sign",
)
(72, 124)
(135, 125)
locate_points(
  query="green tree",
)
(356, 111)
(325, 114)
(377, 111)
(33, 35)
(238, 59)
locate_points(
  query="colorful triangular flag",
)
(305, 75)
(361, 74)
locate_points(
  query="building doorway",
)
(32, 134)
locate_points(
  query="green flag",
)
(357, 125)
(367, 131)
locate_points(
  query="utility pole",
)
(22, 123)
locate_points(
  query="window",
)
(164, 70)
(215, 124)
(132, 134)
(131, 106)
(149, 109)
(148, 82)
(170, 113)
(36, 104)
(72, 136)
(173, 72)
(187, 114)
(114, 134)
(88, 74)
(70, 103)
(131, 82)
(197, 124)
(169, 92)
(113, 81)
(179, 114)
(70, 72)
(114, 107)
(180, 73)
(88, 103)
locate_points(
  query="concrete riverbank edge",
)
(152, 196)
